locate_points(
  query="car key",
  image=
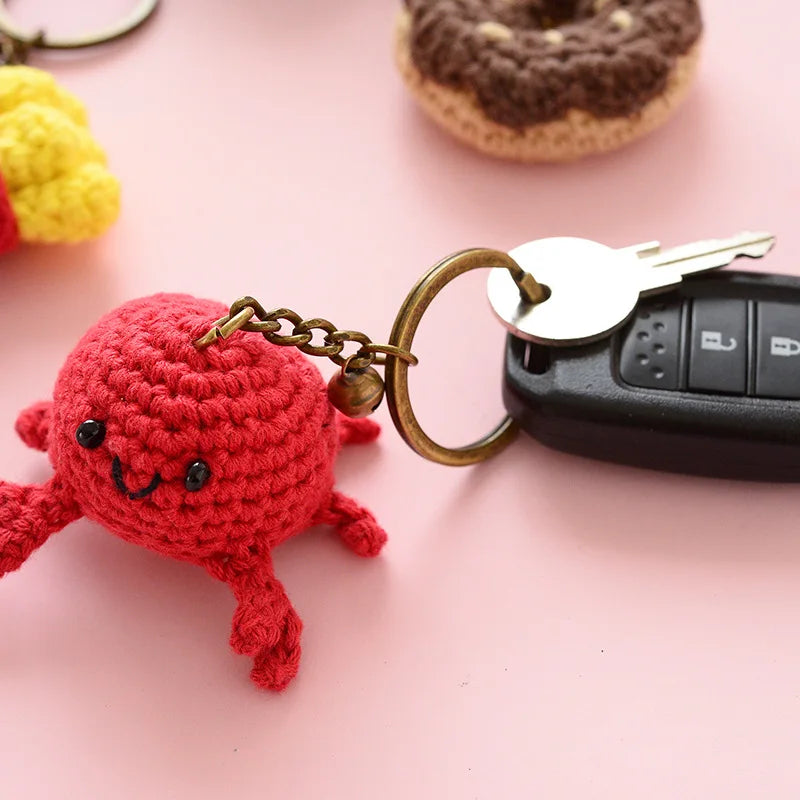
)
(593, 289)
(704, 379)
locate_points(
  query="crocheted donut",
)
(548, 80)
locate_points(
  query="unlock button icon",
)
(784, 346)
(714, 340)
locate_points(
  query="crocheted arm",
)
(356, 526)
(357, 431)
(33, 425)
(265, 625)
(28, 516)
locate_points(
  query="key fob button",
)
(778, 350)
(580, 399)
(718, 352)
(650, 354)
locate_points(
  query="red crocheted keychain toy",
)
(208, 455)
(177, 429)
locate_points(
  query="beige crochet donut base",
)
(578, 134)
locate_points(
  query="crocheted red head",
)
(211, 456)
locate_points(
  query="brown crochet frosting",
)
(532, 61)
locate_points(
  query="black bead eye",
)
(197, 474)
(90, 434)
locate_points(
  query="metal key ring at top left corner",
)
(42, 41)
(402, 336)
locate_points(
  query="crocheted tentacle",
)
(33, 425)
(28, 516)
(356, 526)
(357, 431)
(265, 625)
(275, 667)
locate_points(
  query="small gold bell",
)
(356, 393)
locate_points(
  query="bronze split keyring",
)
(41, 40)
(402, 336)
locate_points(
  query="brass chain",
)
(247, 314)
(357, 390)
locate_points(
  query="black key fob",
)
(704, 380)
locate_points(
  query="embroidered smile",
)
(119, 481)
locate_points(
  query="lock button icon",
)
(777, 350)
(784, 346)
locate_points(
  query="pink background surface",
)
(541, 625)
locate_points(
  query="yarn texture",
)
(547, 80)
(55, 184)
(210, 456)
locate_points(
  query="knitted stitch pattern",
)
(548, 80)
(254, 414)
(55, 182)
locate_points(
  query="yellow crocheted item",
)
(54, 171)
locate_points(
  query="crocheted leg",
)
(28, 516)
(265, 626)
(356, 526)
(357, 431)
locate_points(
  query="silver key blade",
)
(594, 289)
(662, 270)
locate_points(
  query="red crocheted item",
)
(9, 230)
(253, 416)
